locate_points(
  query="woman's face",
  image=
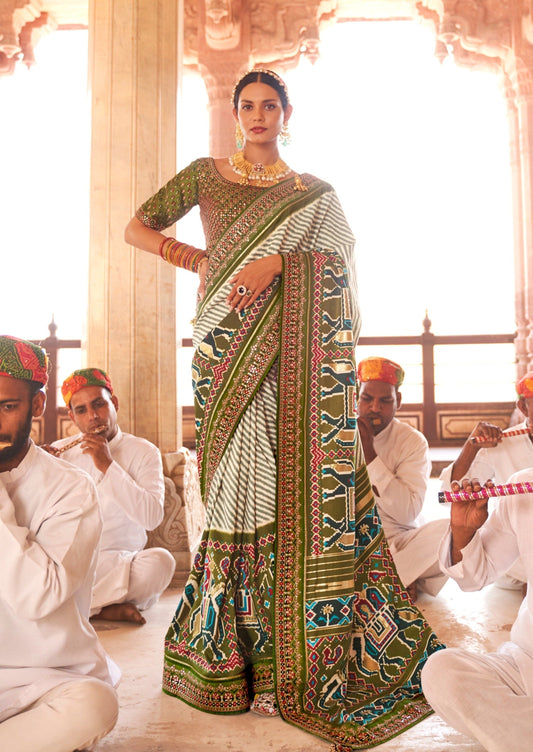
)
(260, 113)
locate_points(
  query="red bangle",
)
(161, 247)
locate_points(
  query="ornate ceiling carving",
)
(262, 31)
(494, 34)
(488, 34)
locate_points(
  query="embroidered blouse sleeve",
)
(173, 200)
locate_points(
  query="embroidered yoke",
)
(293, 588)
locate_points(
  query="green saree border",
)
(352, 718)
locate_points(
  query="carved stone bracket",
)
(477, 33)
(22, 25)
(273, 32)
(184, 517)
(223, 22)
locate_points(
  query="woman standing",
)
(292, 605)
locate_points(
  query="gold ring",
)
(248, 293)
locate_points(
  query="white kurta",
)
(49, 532)
(400, 476)
(131, 495)
(500, 462)
(490, 697)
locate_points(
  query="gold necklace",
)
(258, 172)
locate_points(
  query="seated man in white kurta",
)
(128, 474)
(397, 458)
(488, 696)
(56, 682)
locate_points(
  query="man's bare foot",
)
(120, 612)
(411, 589)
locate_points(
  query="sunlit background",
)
(417, 151)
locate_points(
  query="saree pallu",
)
(293, 588)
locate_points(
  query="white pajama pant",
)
(74, 715)
(138, 578)
(481, 695)
(415, 554)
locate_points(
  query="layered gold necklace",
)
(258, 172)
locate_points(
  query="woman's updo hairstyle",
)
(263, 76)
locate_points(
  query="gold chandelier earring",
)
(239, 137)
(284, 135)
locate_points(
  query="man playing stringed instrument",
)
(129, 479)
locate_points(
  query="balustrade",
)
(443, 423)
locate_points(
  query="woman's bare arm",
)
(143, 237)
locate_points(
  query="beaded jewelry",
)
(258, 172)
(239, 137)
(284, 136)
(181, 254)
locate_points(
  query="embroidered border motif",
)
(229, 696)
(218, 648)
(356, 680)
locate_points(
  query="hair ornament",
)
(267, 72)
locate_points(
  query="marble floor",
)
(150, 721)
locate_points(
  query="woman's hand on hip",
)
(252, 280)
(202, 272)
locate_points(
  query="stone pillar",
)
(521, 128)
(219, 82)
(223, 56)
(134, 52)
(518, 229)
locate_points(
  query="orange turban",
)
(82, 378)
(524, 386)
(380, 369)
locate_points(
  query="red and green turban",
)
(380, 369)
(84, 377)
(524, 386)
(21, 359)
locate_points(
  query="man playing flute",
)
(497, 457)
(129, 479)
(398, 463)
(488, 697)
(56, 682)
